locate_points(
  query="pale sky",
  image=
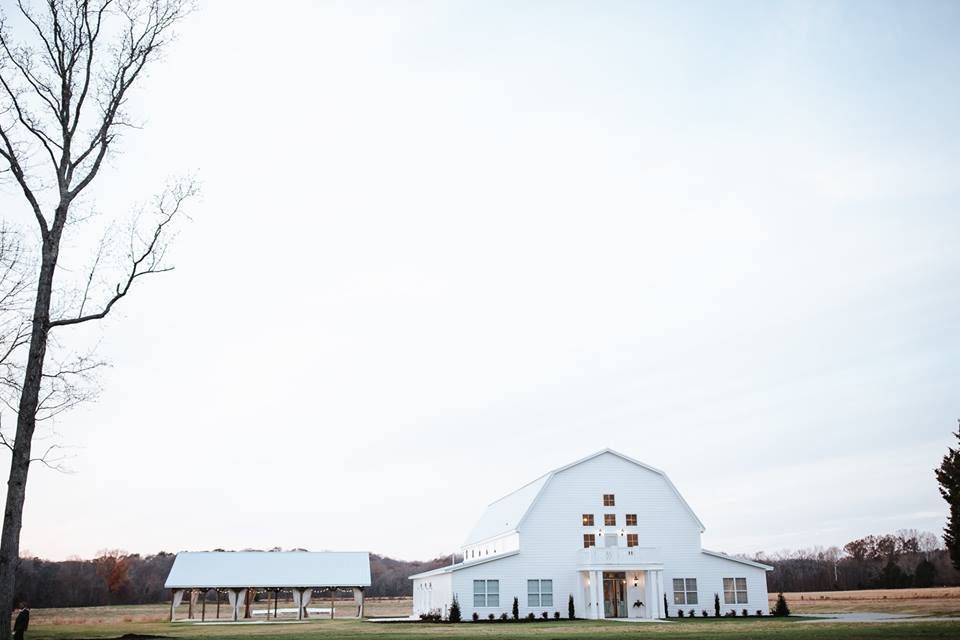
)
(444, 247)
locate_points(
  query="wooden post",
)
(218, 604)
(190, 610)
(249, 595)
(173, 597)
(203, 605)
(299, 604)
(333, 599)
(360, 609)
(276, 596)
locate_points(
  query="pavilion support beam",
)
(203, 605)
(218, 604)
(333, 600)
(360, 608)
(251, 595)
(276, 596)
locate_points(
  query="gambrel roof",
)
(506, 514)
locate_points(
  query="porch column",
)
(661, 592)
(597, 592)
(649, 595)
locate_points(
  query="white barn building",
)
(611, 531)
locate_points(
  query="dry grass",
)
(373, 607)
(934, 601)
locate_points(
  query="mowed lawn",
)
(150, 620)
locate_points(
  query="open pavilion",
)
(242, 574)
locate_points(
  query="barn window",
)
(684, 591)
(588, 519)
(539, 593)
(735, 591)
(608, 500)
(486, 593)
(589, 540)
(609, 519)
(631, 519)
(633, 540)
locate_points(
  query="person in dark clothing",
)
(22, 621)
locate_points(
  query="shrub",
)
(556, 615)
(570, 611)
(704, 613)
(454, 615)
(693, 613)
(516, 608)
(759, 613)
(716, 605)
(476, 616)
(679, 613)
(745, 613)
(434, 615)
(503, 616)
(531, 617)
(545, 615)
(491, 617)
(733, 613)
(781, 608)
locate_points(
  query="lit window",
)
(735, 591)
(588, 519)
(539, 593)
(631, 519)
(609, 519)
(589, 540)
(486, 593)
(633, 540)
(684, 591)
(608, 500)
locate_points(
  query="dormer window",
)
(608, 500)
(631, 519)
(609, 519)
(588, 519)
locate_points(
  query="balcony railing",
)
(619, 556)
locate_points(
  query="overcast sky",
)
(445, 247)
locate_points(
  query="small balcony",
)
(624, 557)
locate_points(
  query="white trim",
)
(750, 563)
(463, 565)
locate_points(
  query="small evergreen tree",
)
(454, 615)
(948, 475)
(925, 574)
(666, 608)
(516, 608)
(716, 605)
(571, 613)
(781, 608)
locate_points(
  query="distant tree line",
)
(115, 577)
(908, 558)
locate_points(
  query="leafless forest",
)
(901, 560)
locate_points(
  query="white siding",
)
(550, 539)
(433, 593)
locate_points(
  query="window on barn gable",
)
(608, 500)
(609, 519)
(588, 519)
(589, 540)
(633, 540)
(631, 519)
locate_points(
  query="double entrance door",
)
(614, 594)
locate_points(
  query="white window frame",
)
(735, 595)
(538, 598)
(687, 594)
(482, 598)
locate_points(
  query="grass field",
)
(930, 602)
(150, 620)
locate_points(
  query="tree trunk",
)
(26, 423)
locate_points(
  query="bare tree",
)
(64, 83)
